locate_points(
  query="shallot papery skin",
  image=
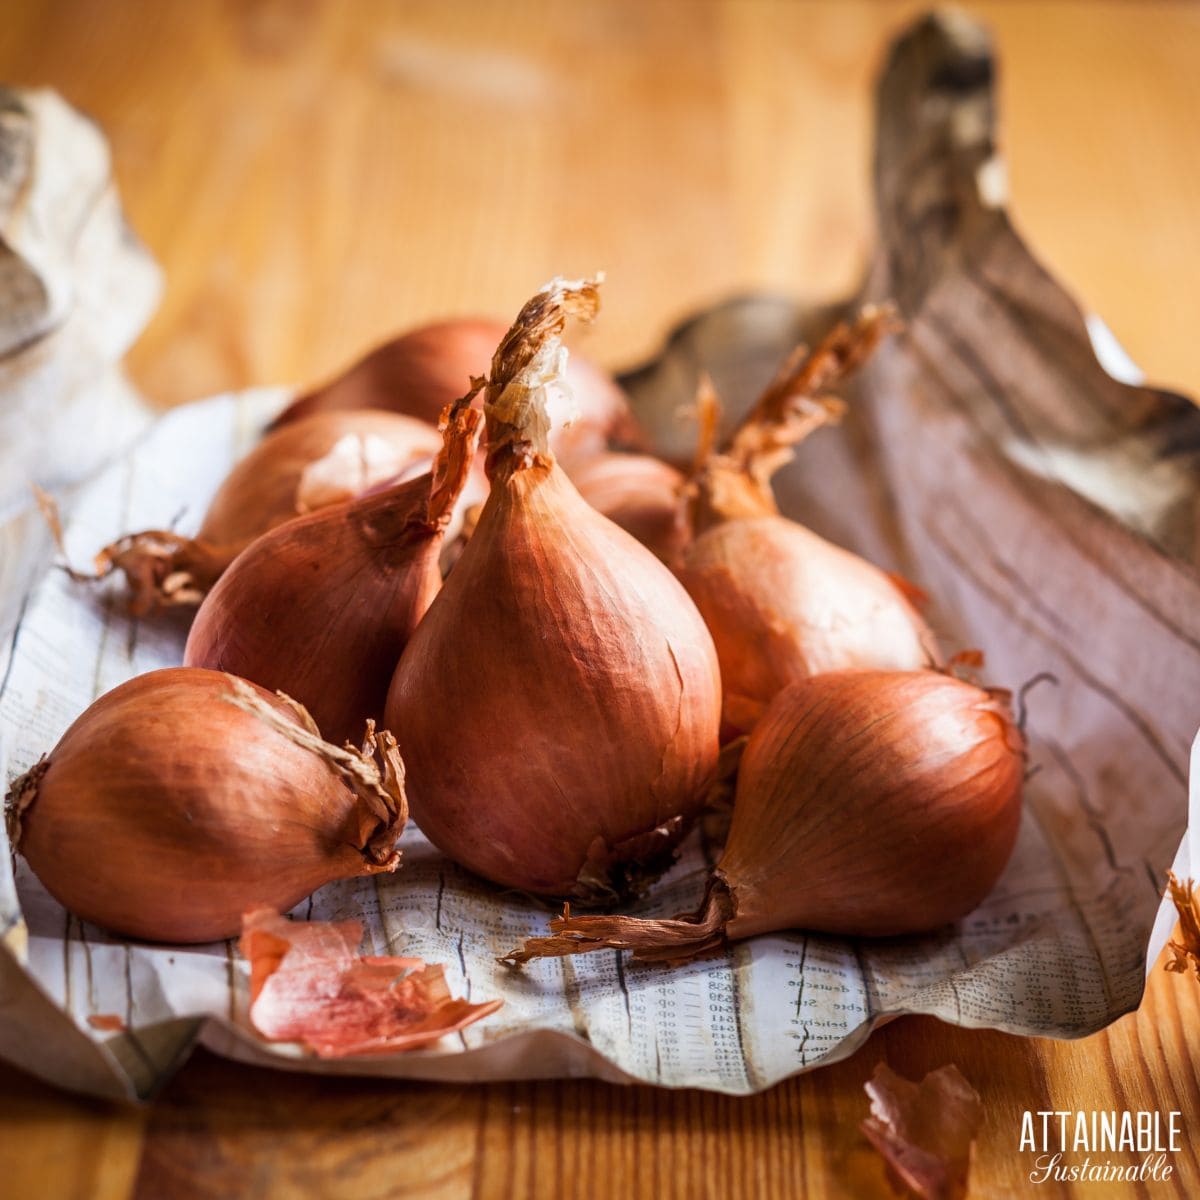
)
(422, 371)
(924, 1131)
(183, 798)
(783, 604)
(322, 606)
(869, 803)
(638, 492)
(264, 485)
(558, 705)
(1185, 953)
(323, 459)
(308, 984)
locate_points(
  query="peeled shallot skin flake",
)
(1186, 952)
(308, 984)
(924, 1131)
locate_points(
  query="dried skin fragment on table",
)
(925, 1131)
(308, 984)
(107, 1022)
(1186, 952)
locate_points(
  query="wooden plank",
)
(53, 1144)
(315, 176)
(219, 1126)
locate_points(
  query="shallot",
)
(324, 459)
(781, 602)
(321, 607)
(869, 803)
(558, 705)
(422, 371)
(638, 492)
(183, 798)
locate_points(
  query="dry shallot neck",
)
(528, 362)
(677, 939)
(374, 772)
(163, 568)
(423, 506)
(461, 426)
(735, 481)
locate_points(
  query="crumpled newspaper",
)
(76, 288)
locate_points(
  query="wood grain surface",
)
(316, 175)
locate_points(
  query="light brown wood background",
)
(317, 175)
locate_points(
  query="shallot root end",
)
(162, 568)
(19, 797)
(677, 940)
(48, 507)
(621, 873)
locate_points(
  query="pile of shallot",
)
(548, 643)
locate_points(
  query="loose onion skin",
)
(783, 604)
(638, 492)
(167, 810)
(266, 488)
(869, 804)
(422, 371)
(559, 702)
(321, 607)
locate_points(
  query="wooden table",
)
(315, 176)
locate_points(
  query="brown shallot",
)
(422, 371)
(558, 705)
(321, 607)
(638, 492)
(781, 602)
(183, 798)
(869, 803)
(324, 459)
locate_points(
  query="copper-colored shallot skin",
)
(783, 604)
(422, 371)
(260, 491)
(320, 608)
(872, 803)
(196, 812)
(418, 372)
(560, 698)
(638, 492)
